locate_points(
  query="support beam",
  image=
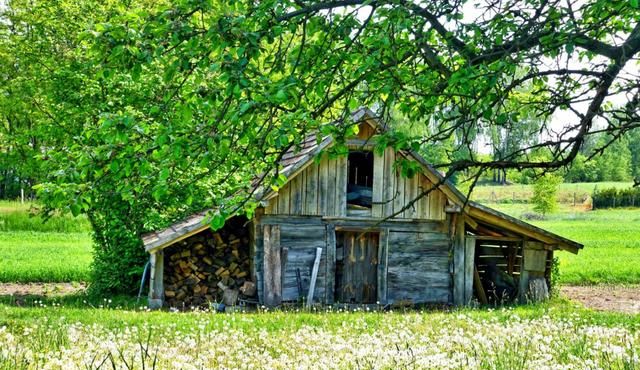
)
(383, 257)
(156, 282)
(314, 277)
(330, 275)
(469, 266)
(272, 266)
(457, 224)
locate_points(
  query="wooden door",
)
(356, 267)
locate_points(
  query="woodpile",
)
(209, 267)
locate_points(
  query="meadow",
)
(551, 335)
(32, 250)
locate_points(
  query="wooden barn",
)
(352, 230)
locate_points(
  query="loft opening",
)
(360, 180)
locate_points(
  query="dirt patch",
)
(41, 289)
(605, 297)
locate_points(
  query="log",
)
(196, 265)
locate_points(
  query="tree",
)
(545, 190)
(149, 110)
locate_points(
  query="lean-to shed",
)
(351, 229)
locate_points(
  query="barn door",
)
(356, 267)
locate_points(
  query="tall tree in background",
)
(148, 110)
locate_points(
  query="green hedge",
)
(614, 198)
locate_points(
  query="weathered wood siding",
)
(300, 241)
(392, 192)
(418, 267)
(317, 190)
(320, 190)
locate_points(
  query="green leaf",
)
(281, 96)
(635, 3)
(217, 221)
(164, 174)
(75, 209)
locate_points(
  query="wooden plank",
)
(471, 222)
(331, 264)
(434, 205)
(272, 265)
(347, 290)
(291, 220)
(156, 281)
(314, 277)
(457, 223)
(389, 182)
(378, 185)
(312, 190)
(477, 284)
(413, 194)
(295, 205)
(498, 238)
(371, 260)
(283, 199)
(323, 185)
(535, 260)
(341, 186)
(469, 256)
(426, 200)
(383, 255)
(365, 131)
(272, 206)
(331, 187)
(417, 270)
(398, 202)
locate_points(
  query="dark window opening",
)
(360, 181)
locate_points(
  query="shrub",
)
(544, 193)
(614, 198)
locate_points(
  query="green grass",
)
(121, 311)
(44, 257)
(611, 239)
(518, 193)
(35, 250)
(15, 216)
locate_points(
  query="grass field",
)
(31, 250)
(553, 335)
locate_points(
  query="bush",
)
(614, 198)
(544, 193)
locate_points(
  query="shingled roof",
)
(299, 157)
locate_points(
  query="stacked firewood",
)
(209, 267)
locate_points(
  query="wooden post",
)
(469, 263)
(457, 223)
(383, 255)
(330, 276)
(477, 283)
(156, 283)
(272, 266)
(314, 277)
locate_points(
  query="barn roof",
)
(298, 158)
